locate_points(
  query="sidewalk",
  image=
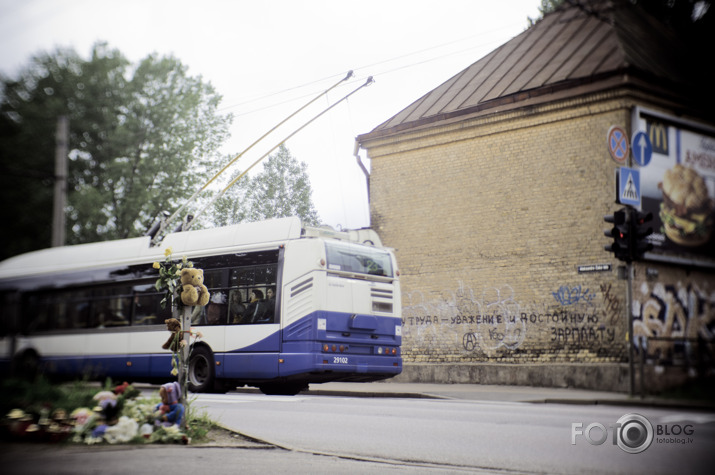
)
(495, 393)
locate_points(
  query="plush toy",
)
(169, 411)
(174, 340)
(194, 292)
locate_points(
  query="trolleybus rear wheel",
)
(201, 370)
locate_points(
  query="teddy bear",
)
(169, 411)
(174, 326)
(194, 292)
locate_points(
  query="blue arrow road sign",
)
(629, 187)
(641, 148)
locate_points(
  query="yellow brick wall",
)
(490, 218)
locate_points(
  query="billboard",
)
(678, 187)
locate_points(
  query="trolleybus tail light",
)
(386, 351)
(334, 348)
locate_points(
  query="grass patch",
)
(41, 395)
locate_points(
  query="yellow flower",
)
(156, 265)
(167, 253)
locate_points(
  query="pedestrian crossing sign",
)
(628, 185)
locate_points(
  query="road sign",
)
(629, 187)
(618, 144)
(642, 148)
(594, 268)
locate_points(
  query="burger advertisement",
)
(678, 186)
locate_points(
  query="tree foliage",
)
(142, 139)
(281, 189)
(692, 20)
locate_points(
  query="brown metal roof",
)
(588, 43)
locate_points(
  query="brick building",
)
(493, 189)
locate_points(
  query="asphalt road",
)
(483, 430)
(470, 435)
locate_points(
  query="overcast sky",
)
(266, 58)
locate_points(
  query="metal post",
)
(629, 310)
(184, 353)
(186, 337)
(642, 348)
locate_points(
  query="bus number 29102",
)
(340, 360)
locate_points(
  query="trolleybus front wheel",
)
(201, 370)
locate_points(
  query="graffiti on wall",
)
(573, 295)
(681, 313)
(495, 321)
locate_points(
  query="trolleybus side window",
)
(147, 306)
(67, 310)
(251, 295)
(111, 307)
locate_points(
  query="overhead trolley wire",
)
(367, 66)
(288, 137)
(165, 223)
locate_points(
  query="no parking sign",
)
(618, 145)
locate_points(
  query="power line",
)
(368, 66)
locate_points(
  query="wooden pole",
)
(60, 193)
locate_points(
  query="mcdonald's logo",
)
(658, 135)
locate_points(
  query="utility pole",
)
(60, 194)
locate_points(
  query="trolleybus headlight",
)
(326, 347)
(379, 350)
(342, 348)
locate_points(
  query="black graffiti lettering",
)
(613, 304)
(582, 334)
(469, 341)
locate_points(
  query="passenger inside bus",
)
(216, 309)
(236, 308)
(270, 304)
(256, 310)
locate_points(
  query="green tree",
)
(142, 139)
(692, 20)
(281, 189)
(545, 6)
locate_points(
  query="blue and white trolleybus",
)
(290, 305)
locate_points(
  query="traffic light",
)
(639, 231)
(621, 234)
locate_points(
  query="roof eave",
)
(529, 98)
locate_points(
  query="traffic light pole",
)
(629, 307)
(629, 231)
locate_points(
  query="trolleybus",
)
(290, 305)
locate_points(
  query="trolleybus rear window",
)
(359, 259)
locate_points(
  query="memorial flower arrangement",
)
(117, 415)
